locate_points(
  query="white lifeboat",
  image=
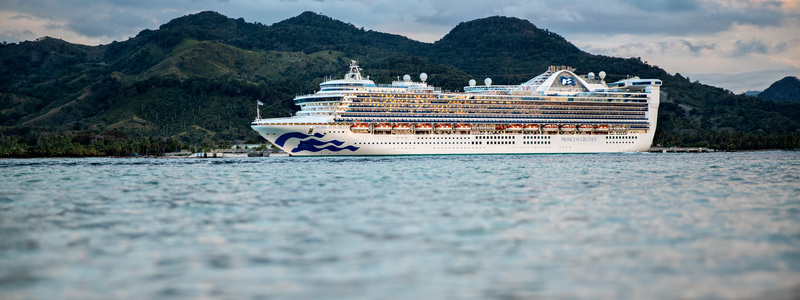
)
(585, 128)
(359, 126)
(444, 127)
(550, 128)
(463, 127)
(601, 128)
(399, 127)
(567, 127)
(383, 127)
(530, 127)
(423, 127)
(514, 127)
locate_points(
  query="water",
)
(635, 226)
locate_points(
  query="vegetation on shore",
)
(83, 145)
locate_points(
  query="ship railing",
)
(489, 89)
(637, 124)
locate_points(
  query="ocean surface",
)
(598, 226)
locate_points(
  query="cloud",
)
(698, 48)
(742, 48)
(741, 82)
(686, 36)
(116, 19)
(786, 45)
(663, 17)
(670, 6)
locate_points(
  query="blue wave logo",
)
(567, 80)
(295, 135)
(312, 145)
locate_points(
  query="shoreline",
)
(286, 154)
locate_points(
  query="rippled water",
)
(716, 225)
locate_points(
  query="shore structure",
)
(555, 112)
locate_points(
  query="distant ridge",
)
(785, 90)
(752, 93)
(498, 45)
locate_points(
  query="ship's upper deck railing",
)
(504, 89)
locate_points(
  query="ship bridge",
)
(352, 81)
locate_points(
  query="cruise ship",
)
(558, 111)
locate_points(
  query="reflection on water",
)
(719, 225)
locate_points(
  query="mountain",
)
(752, 93)
(503, 45)
(786, 90)
(196, 78)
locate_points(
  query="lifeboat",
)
(530, 127)
(444, 127)
(383, 127)
(567, 127)
(423, 127)
(514, 127)
(601, 128)
(550, 128)
(360, 126)
(585, 128)
(401, 127)
(462, 127)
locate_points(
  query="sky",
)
(738, 45)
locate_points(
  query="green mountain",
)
(786, 89)
(196, 78)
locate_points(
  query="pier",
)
(679, 150)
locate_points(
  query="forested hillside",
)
(786, 89)
(195, 80)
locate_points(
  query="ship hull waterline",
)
(339, 140)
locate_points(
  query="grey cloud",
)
(664, 5)
(684, 17)
(22, 17)
(676, 17)
(696, 49)
(742, 48)
(756, 80)
(786, 45)
(108, 25)
(15, 35)
(120, 18)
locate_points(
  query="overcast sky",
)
(738, 45)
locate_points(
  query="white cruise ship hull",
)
(339, 140)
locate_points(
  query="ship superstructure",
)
(555, 112)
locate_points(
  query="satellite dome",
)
(487, 81)
(590, 75)
(472, 82)
(602, 74)
(406, 78)
(423, 77)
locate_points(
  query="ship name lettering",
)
(578, 139)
